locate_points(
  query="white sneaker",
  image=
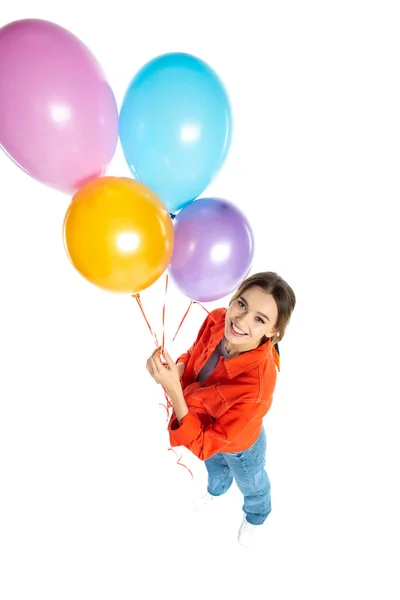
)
(203, 502)
(247, 533)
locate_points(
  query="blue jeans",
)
(247, 469)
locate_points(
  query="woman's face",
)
(248, 319)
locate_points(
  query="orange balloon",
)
(118, 234)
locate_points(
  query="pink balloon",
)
(58, 114)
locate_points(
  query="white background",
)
(92, 504)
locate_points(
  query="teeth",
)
(237, 330)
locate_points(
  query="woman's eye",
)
(240, 303)
(260, 320)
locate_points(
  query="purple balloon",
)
(213, 249)
(58, 114)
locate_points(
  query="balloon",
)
(58, 114)
(118, 234)
(213, 249)
(175, 127)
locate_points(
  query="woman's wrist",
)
(178, 402)
(181, 369)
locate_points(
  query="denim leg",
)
(220, 477)
(252, 480)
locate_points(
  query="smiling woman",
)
(222, 388)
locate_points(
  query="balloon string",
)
(181, 323)
(178, 462)
(168, 406)
(200, 304)
(138, 300)
(186, 313)
(163, 312)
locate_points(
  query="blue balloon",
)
(175, 127)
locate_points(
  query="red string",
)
(163, 312)
(200, 304)
(178, 462)
(186, 313)
(181, 323)
(168, 404)
(138, 300)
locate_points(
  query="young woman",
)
(222, 387)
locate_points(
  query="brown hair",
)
(283, 295)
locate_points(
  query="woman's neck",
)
(235, 350)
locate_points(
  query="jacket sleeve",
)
(206, 439)
(184, 358)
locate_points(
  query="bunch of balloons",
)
(60, 123)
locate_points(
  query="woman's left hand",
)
(167, 374)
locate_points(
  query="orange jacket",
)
(226, 411)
